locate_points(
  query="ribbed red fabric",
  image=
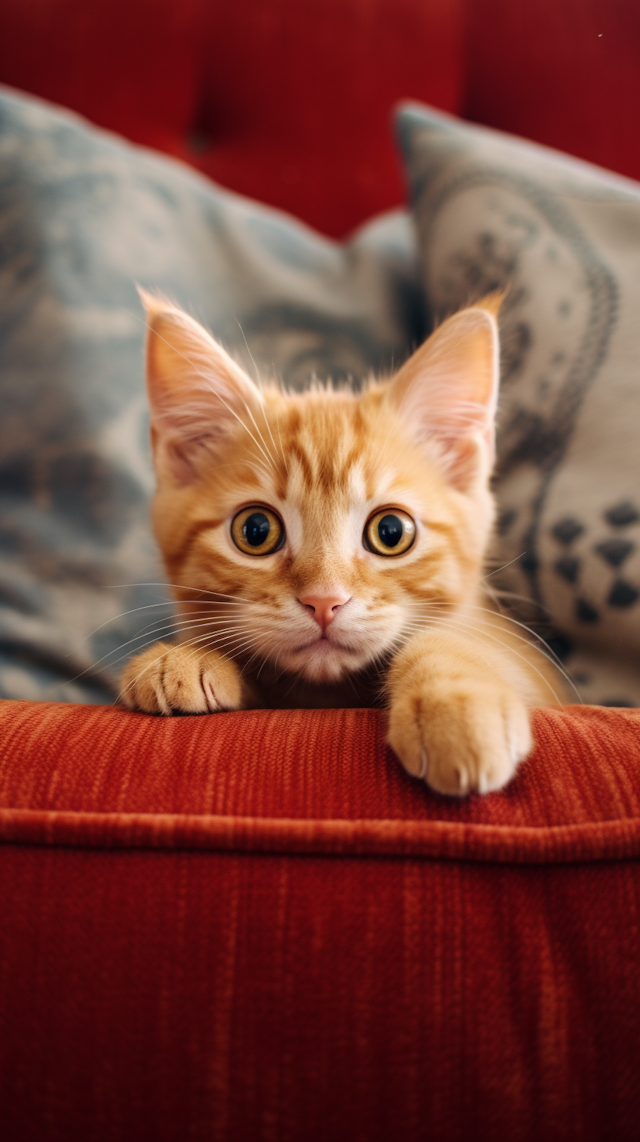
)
(309, 781)
(256, 926)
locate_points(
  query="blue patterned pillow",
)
(84, 216)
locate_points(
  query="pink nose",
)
(324, 607)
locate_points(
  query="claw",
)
(163, 705)
(209, 694)
(424, 764)
(463, 780)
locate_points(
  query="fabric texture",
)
(255, 926)
(289, 102)
(224, 780)
(563, 239)
(562, 72)
(83, 217)
(286, 102)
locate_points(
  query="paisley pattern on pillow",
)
(563, 238)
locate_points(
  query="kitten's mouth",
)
(323, 659)
(322, 643)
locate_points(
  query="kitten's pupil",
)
(256, 529)
(390, 530)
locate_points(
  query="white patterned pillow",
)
(564, 237)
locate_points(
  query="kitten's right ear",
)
(197, 393)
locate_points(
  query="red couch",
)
(255, 926)
(289, 102)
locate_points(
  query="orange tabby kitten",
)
(319, 543)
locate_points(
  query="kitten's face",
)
(315, 532)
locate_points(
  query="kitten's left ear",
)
(447, 392)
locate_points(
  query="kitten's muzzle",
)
(324, 608)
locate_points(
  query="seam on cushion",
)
(558, 844)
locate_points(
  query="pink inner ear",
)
(447, 391)
(197, 393)
(183, 457)
(465, 460)
(177, 457)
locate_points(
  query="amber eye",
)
(257, 531)
(389, 532)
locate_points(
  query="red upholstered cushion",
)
(284, 101)
(562, 72)
(255, 926)
(309, 781)
(289, 102)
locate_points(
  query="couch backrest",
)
(289, 100)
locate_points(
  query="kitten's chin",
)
(323, 662)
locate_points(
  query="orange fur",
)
(458, 680)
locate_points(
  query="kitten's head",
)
(317, 531)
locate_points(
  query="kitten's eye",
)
(389, 532)
(257, 531)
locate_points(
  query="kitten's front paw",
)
(464, 738)
(164, 679)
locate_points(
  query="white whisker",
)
(167, 629)
(194, 643)
(179, 587)
(505, 565)
(479, 634)
(544, 648)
